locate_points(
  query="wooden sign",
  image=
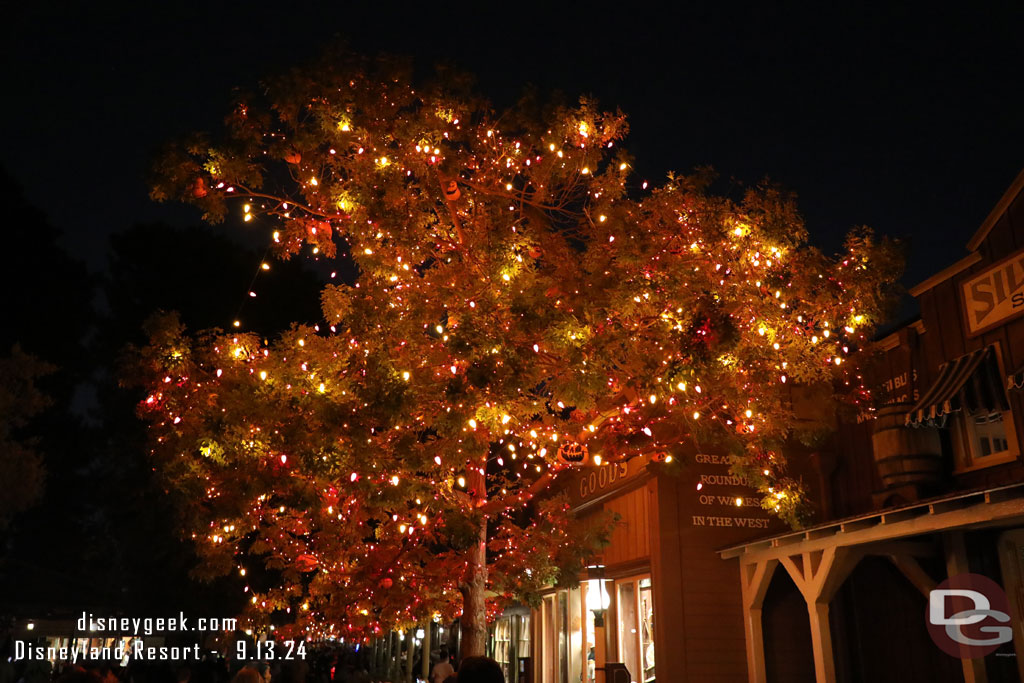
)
(994, 295)
(594, 483)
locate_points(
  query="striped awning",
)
(971, 382)
(1016, 380)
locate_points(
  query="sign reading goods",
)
(995, 294)
(591, 483)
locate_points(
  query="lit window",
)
(981, 439)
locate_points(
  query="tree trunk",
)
(473, 638)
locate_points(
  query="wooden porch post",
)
(818, 578)
(821, 642)
(956, 563)
(755, 579)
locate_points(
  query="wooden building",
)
(668, 603)
(929, 486)
(699, 584)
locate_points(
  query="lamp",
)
(597, 594)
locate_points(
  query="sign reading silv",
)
(995, 294)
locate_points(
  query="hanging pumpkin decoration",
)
(451, 190)
(306, 563)
(293, 157)
(573, 453)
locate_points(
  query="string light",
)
(498, 337)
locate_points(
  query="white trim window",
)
(982, 439)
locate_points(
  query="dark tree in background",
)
(83, 523)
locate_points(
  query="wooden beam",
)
(795, 573)
(941, 520)
(910, 568)
(755, 579)
(844, 560)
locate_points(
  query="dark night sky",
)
(909, 119)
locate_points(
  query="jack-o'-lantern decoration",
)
(451, 190)
(573, 453)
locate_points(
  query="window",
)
(982, 439)
(562, 638)
(646, 631)
(510, 642)
(636, 627)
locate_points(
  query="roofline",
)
(892, 340)
(1016, 187)
(997, 211)
(944, 274)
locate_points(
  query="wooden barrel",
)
(905, 455)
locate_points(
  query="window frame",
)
(966, 444)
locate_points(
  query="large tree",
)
(519, 309)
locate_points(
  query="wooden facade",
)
(853, 589)
(671, 520)
(737, 597)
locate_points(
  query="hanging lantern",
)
(573, 453)
(199, 188)
(386, 583)
(293, 157)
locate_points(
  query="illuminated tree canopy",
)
(522, 307)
